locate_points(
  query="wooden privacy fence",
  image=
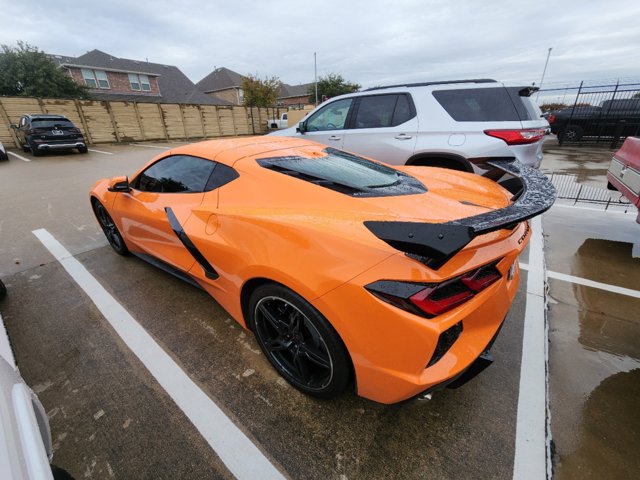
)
(115, 122)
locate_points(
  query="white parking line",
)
(588, 283)
(24, 159)
(532, 444)
(238, 453)
(5, 347)
(99, 151)
(149, 146)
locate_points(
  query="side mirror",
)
(302, 127)
(119, 184)
(13, 126)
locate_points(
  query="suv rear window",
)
(49, 123)
(478, 104)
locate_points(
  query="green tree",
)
(260, 93)
(28, 72)
(331, 85)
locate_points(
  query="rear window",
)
(48, 123)
(479, 104)
(346, 173)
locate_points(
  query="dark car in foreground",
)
(624, 171)
(42, 133)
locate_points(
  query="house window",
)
(95, 78)
(144, 83)
(101, 76)
(134, 81)
(89, 78)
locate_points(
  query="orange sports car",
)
(347, 271)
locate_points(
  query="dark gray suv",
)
(42, 133)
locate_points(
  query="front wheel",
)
(83, 149)
(110, 229)
(3, 290)
(298, 341)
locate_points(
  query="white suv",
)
(455, 124)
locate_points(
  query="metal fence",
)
(597, 114)
(568, 188)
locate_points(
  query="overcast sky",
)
(369, 42)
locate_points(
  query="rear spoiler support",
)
(436, 243)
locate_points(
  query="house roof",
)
(175, 86)
(289, 91)
(220, 79)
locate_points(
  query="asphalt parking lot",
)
(111, 416)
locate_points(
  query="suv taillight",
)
(552, 118)
(517, 137)
(431, 300)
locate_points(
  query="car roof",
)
(231, 150)
(428, 84)
(46, 116)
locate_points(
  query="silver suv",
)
(455, 124)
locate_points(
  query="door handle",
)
(335, 137)
(403, 136)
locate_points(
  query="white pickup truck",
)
(281, 122)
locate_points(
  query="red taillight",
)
(517, 137)
(430, 300)
(480, 279)
(435, 301)
(552, 118)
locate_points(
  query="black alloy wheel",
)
(34, 150)
(298, 341)
(110, 229)
(572, 133)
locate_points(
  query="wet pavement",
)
(594, 334)
(111, 419)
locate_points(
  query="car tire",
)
(298, 341)
(109, 228)
(25, 148)
(3, 155)
(571, 133)
(3, 290)
(34, 150)
(83, 149)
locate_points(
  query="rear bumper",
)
(391, 349)
(60, 145)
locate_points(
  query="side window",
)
(176, 174)
(379, 111)
(404, 110)
(330, 117)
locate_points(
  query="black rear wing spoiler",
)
(436, 243)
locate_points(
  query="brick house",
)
(294, 95)
(223, 84)
(226, 84)
(121, 79)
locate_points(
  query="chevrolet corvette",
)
(395, 280)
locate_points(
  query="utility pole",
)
(315, 74)
(543, 72)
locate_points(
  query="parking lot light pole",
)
(315, 75)
(544, 70)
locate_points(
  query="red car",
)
(624, 171)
